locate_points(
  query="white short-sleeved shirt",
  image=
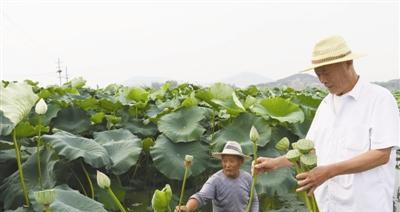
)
(368, 118)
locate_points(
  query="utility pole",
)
(66, 74)
(59, 70)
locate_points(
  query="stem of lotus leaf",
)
(20, 170)
(39, 169)
(88, 179)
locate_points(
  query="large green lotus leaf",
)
(239, 131)
(280, 181)
(21, 209)
(72, 147)
(110, 105)
(137, 94)
(6, 126)
(77, 82)
(168, 157)
(137, 127)
(72, 119)
(301, 129)
(123, 147)
(6, 145)
(280, 109)
(52, 110)
(221, 91)
(182, 125)
(16, 101)
(11, 192)
(232, 105)
(307, 101)
(217, 91)
(68, 199)
(87, 104)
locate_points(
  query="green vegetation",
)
(139, 137)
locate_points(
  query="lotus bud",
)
(41, 107)
(188, 160)
(293, 155)
(283, 144)
(45, 197)
(305, 145)
(254, 136)
(102, 180)
(161, 199)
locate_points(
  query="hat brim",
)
(218, 155)
(351, 56)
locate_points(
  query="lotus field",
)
(74, 148)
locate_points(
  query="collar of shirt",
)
(354, 93)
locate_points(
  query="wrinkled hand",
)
(181, 208)
(309, 181)
(262, 164)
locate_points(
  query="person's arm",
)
(363, 162)
(199, 199)
(190, 206)
(265, 164)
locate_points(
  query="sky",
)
(193, 41)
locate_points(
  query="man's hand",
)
(265, 164)
(261, 165)
(181, 208)
(309, 181)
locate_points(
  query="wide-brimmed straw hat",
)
(231, 148)
(331, 50)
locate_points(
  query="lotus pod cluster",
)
(304, 159)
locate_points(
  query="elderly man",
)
(229, 188)
(356, 134)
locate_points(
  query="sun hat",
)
(331, 50)
(231, 148)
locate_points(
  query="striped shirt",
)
(227, 194)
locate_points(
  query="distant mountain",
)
(245, 79)
(144, 81)
(391, 84)
(296, 81)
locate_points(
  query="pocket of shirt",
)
(356, 140)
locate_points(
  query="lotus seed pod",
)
(293, 155)
(45, 197)
(188, 158)
(283, 144)
(102, 180)
(294, 145)
(309, 161)
(305, 145)
(41, 107)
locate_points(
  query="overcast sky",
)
(195, 41)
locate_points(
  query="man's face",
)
(231, 165)
(336, 77)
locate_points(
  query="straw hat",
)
(231, 148)
(331, 50)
